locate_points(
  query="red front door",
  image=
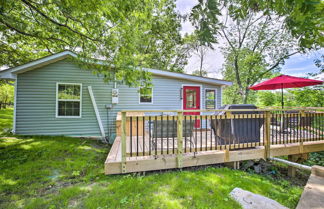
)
(191, 101)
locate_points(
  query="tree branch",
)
(274, 66)
(31, 35)
(55, 22)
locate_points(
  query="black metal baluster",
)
(275, 121)
(191, 128)
(313, 127)
(150, 139)
(297, 127)
(217, 123)
(289, 127)
(131, 135)
(143, 135)
(235, 137)
(167, 134)
(230, 125)
(173, 131)
(162, 134)
(155, 127)
(206, 131)
(201, 149)
(185, 132)
(136, 135)
(251, 127)
(211, 133)
(196, 122)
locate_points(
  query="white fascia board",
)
(6, 74)
(188, 77)
(41, 62)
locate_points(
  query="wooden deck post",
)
(123, 143)
(179, 139)
(267, 139)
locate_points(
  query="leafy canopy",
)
(123, 34)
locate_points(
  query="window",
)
(146, 95)
(68, 100)
(210, 98)
(191, 98)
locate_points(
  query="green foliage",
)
(303, 97)
(315, 158)
(267, 99)
(256, 47)
(62, 172)
(6, 120)
(204, 17)
(259, 36)
(126, 35)
(202, 73)
(304, 18)
(7, 93)
(308, 97)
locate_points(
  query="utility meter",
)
(114, 96)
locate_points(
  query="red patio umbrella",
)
(284, 82)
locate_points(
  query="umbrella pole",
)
(282, 99)
(282, 126)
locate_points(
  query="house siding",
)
(36, 100)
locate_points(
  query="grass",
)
(6, 119)
(62, 172)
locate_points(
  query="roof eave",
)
(62, 55)
(41, 62)
(189, 77)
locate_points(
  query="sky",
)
(297, 65)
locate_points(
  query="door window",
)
(191, 98)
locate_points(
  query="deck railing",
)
(158, 133)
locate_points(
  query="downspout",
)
(296, 165)
(94, 104)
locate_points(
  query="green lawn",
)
(63, 172)
(6, 119)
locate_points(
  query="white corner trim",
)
(15, 107)
(57, 100)
(139, 97)
(94, 104)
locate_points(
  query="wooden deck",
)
(146, 143)
(201, 153)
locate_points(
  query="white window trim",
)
(201, 94)
(139, 97)
(215, 100)
(79, 100)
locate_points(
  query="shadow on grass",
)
(64, 172)
(61, 172)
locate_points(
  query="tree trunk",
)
(201, 62)
(246, 95)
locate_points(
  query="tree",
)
(202, 73)
(319, 62)
(254, 49)
(6, 94)
(303, 18)
(309, 96)
(200, 51)
(204, 18)
(125, 35)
